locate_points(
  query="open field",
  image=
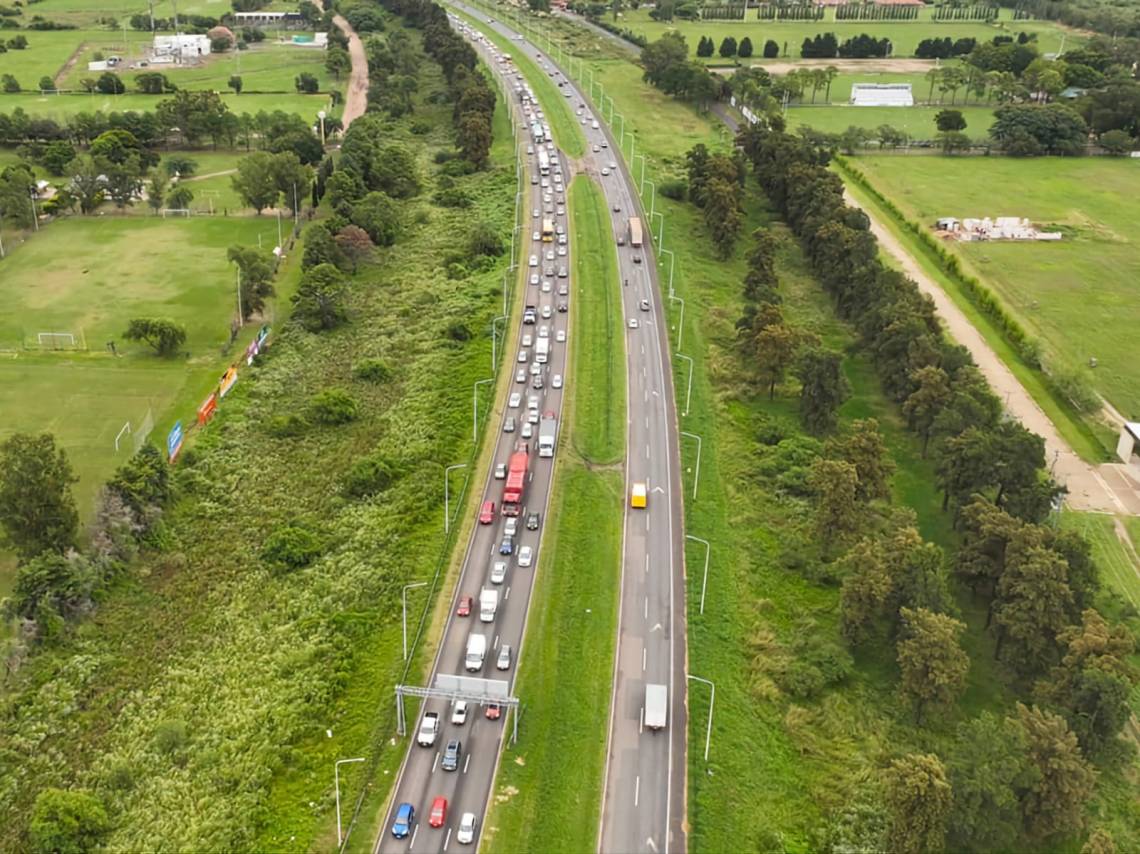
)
(1075, 295)
(90, 12)
(45, 55)
(904, 35)
(917, 122)
(569, 648)
(128, 267)
(60, 107)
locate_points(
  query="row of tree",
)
(728, 47)
(716, 185)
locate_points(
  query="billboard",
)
(207, 409)
(174, 441)
(227, 381)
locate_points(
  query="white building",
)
(881, 95)
(180, 48)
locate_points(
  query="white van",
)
(476, 651)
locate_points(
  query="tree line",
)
(1038, 583)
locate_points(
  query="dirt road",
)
(356, 99)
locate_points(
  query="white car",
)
(526, 340)
(520, 375)
(499, 572)
(633, 323)
(605, 171)
(546, 312)
(556, 381)
(533, 260)
(594, 124)
(523, 357)
(459, 713)
(549, 254)
(613, 165)
(500, 471)
(465, 835)
(503, 662)
(515, 400)
(534, 278)
(562, 240)
(536, 236)
(546, 286)
(560, 336)
(532, 416)
(535, 369)
(526, 555)
(597, 148)
(536, 213)
(544, 331)
(561, 251)
(527, 430)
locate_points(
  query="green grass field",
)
(45, 55)
(917, 122)
(59, 107)
(88, 12)
(129, 267)
(904, 35)
(1075, 295)
(549, 785)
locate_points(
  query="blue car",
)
(405, 817)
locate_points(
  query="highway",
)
(644, 801)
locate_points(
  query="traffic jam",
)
(527, 435)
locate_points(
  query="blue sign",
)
(174, 441)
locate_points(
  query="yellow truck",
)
(639, 495)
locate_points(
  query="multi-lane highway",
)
(644, 807)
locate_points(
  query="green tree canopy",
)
(37, 510)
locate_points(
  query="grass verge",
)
(559, 113)
(1077, 432)
(548, 790)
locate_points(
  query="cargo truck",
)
(547, 434)
(656, 706)
(516, 483)
(547, 230)
(476, 650)
(541, 350)
(543, 163)
(634, 231)
(488, 605)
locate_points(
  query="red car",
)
(487, 514)
(438, 812)
(464, 609)
(494, 711)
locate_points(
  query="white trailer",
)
(488, 605)
(476, 651)
(547, 434)
(656, 706)
(541, 350)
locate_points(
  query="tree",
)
(834, 483)
(17, 184)
(86, 183)
(156, 191)
(307, 84)
(952, 141)
(235, 83)
(774, 349)
(919, 799)
(57, 154)
(722, 215)
(47, 84)
(68, 822)
(255, 181)
(320, 247)
(988, 769)
(1053, 803)
(153, 83)
(932, 663)
(866, 588)
(1100, 841)
(745, 49)
(291, 177)
(931, 393)
(115, 146)
(180, 197)
(771, 49)
(337, 62)
(864, 448)
(9, 84)
(110, 84)
(728, 47)
(165, 336)
(318, 303)
(122, 181)
(355, 243)
(1032, 604)
(396, 172)
(538, 5)
(255, 278)
(37, 510)
(934, 75)
(1116, 142)
(378, 215)
(705, 47)
(474, 137)
(824, 388)
(947, 120)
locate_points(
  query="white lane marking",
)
(647, 523)
(645, 397)
(641, 721)
(637, 790)
(646, 422)
(647, 563)
(647, 607)
(447, 840)
(495, 645)
(435, 762)
(466, 762)
(507, 595)
(644, 658)
(412, 844)
(646, 450)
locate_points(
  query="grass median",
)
(548, 790)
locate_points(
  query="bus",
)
(547, 230)
(543, 163)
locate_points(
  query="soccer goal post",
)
(56, 340)
(175, 212)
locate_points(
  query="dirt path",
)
(1089, 486)
(209, 175)
(356, 99)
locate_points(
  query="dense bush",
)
(372, 370)
(334, 406)
(291, 547)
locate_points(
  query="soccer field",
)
(1077, 295)
(88, 276)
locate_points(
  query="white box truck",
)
(488, 604)
(541, 350)
(547, 434)
(476, 650)
(656, 706)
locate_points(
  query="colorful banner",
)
(255, 345)
(174, 441)
(206, 410)
(227, 381)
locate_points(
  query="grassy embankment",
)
(196, 702)
(558, 109)
(1086, 439)
(548, 790)
(793, 760)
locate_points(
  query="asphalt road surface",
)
(644, 807)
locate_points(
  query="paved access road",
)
(468, 788)
(644, 803)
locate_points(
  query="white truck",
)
(476, 651)
(547, 434)
(541, 350)
(488, 604)
(656, 706)
(429, 729)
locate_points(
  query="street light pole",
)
(712, 701)
(475, 408)
(705, 578)
(697, 478)
(689, 388)
(336, 776)
(404, 599)
(446, 510)
(681, 323)
(494, 322)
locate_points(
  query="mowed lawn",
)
(1079, 295)
(904, 35)
(916, 122)
(60, 107)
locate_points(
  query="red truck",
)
(516, 482)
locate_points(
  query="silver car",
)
(498, 572)
(504, 660)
